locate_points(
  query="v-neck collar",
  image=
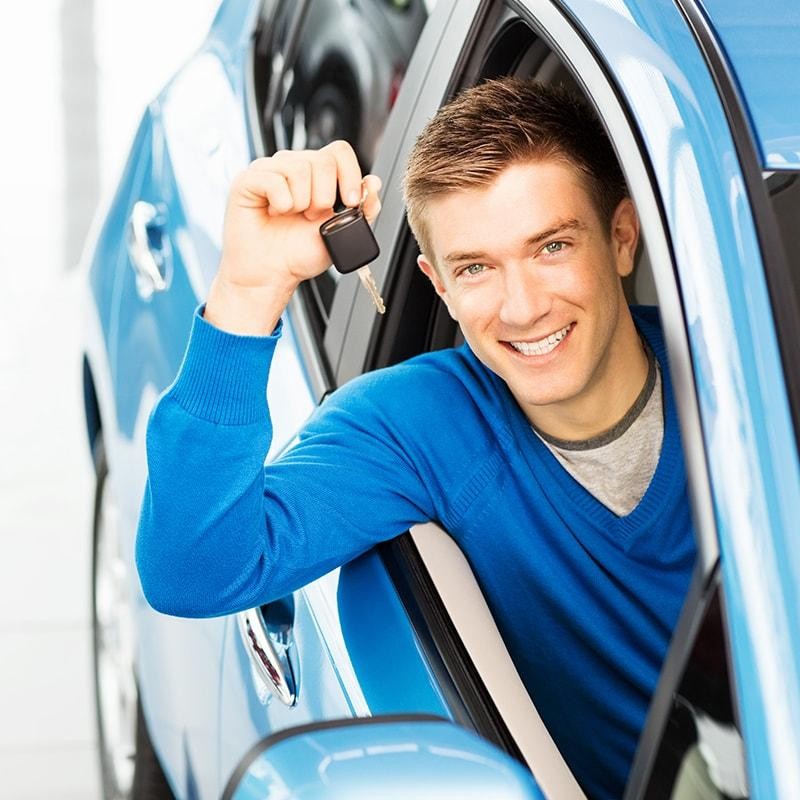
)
(595, 518)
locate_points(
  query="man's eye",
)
(474, 269)
(553, 247)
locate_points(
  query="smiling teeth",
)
(543, 346)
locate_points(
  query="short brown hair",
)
(504, 121)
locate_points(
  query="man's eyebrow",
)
(562, 226)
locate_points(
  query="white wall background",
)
(75, 76)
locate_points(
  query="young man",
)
(546, 445)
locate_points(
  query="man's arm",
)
(217, 532)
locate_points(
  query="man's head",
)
(487, 128)
(522, 215)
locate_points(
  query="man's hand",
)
(271, 239)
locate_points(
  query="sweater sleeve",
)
(219, 531)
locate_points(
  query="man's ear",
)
(436, 279)
(625, 236)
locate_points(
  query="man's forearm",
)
(201, 531)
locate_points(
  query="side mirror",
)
(380, 758)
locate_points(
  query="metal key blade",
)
(368, 282)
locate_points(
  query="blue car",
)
(387, 677)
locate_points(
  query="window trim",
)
(485, 654)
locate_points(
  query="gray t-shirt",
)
(617, 466)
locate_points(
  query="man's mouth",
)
(542, 346)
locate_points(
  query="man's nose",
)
(525, 298)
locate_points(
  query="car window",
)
(784, 194)
(327, 70)
(783, 191)
(701, 752)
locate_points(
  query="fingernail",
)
(353, 198)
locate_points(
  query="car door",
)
(424, 637)
(449, 671)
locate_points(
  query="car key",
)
(352, 246)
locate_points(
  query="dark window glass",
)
(784, 195)
(329, 70)
(701, 753)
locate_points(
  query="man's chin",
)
(530, 402)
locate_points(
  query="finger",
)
(260, 187)
(348, 171)
(372, 202)
(297, 171)
(324, 175)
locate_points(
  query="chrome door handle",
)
(267, 637)
(148, 247)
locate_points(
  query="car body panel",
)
(186, 175)
(761, 43)
(355, 659)
(229, 35)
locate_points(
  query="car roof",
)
(753, 46)
(761, 41)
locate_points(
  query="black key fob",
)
(349, 240)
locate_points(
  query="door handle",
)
(267, 636)
(148, 247)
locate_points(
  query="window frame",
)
(781, 285)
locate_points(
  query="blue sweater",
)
(585, 600)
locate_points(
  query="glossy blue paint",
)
(761, 42)
(372, 664)
(229, 39)
(425, 760)
(388, 663)
(106, 251)
(233, 24)
(248, 712)
(179, 661)
(751, 446)
(156, 327)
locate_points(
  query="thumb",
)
(372, 204)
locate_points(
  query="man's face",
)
(531, 273)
